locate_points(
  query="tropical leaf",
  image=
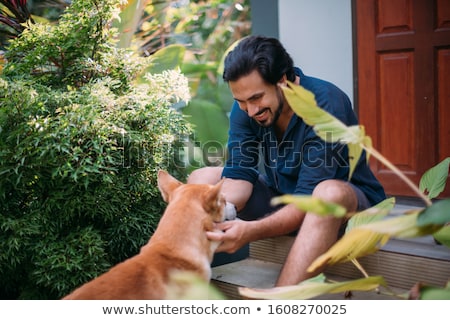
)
(326, 126)
(331, 129)
(356, 243)
(309, 289)
(369, 238)
(387, 204)
(436, 214)
(311, 204)
(190, 68)
(167, 58)
(443, 236)
(426, 292)
(130, 17)
(371, 214)
(354, 151)
(221, 66)
(304, 104)
(210, 122)
(404, 226)
(186, 285)
(434, 179)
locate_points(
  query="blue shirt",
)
(301, 160)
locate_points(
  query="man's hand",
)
(234, 236)
(237, 233)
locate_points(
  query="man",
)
(263, 127)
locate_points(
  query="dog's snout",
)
(230, 211)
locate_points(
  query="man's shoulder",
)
(328, 96)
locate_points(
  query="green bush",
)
(80, 144)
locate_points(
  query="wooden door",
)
(403, 85)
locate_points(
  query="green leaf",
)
(434, 293)
(375, 213)
(209, 120)
(130, 17)
(320, 278)
(167, 58)
(405, 226)
(192, 68)
(436, 214)
(308, 289)
(311, 204)
(326, 126)
(369, 238)
(443, 236)
(435, 178)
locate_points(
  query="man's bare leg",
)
(317, 234)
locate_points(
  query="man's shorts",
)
(259, 205)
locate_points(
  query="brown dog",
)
(178, 244)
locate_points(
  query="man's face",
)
(261, 101)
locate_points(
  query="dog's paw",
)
(230, 211)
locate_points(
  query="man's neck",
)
(285, 117)
(283, 122)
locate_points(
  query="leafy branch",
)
(367, 231)
(304, 104)
(15, 14)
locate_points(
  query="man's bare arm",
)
(237, 192)
(238, 233)
(285, 220)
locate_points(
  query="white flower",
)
(169, 86)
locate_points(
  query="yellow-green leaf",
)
(367, 143)
(369, 238)
(311, 204)
(356, 243)
(221, 66)
(443, 236)
(186, 285)
(308, 290)
(325, 125)
(404, 226)
(354, 153)
(372, 214)
(328, 127)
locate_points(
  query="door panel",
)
(397, 68)
(443, 71)
(403, 84)
(395, 16)
(444, 102)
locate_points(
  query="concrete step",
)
(254, 273)
(402, 263)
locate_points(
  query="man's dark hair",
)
(267, 55)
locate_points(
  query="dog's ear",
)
(167, 184)
(213, 199)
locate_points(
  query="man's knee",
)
(208, 175)
(337, 191)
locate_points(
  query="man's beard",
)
(277, 113)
